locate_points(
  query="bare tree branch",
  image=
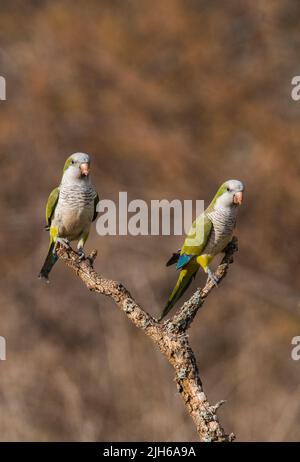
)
(170, 336)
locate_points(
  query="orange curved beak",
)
(85, 169)
(238, 198)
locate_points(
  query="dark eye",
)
(73, 162)
(228, 189)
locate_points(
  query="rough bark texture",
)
(170, 336)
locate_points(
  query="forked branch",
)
(170, 336)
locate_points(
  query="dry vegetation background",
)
(170, 98)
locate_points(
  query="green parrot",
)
(70, 209)
(208, 236)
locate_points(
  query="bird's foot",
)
(63, 241)
(81, 254)
(212, 277)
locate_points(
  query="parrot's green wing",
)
(96, 201)
(195, 241)
(51, 204)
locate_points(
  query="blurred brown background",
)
(170, 98)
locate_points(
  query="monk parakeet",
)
(208, 236)
(70, 209)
